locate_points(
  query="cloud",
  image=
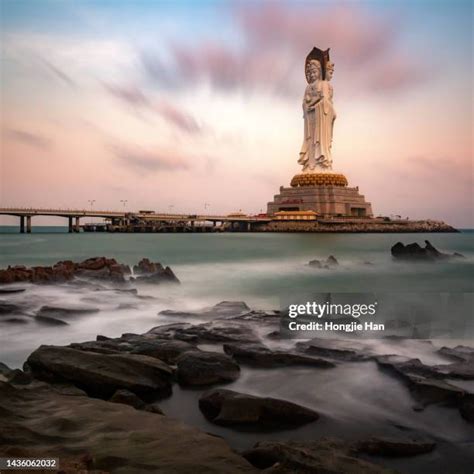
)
(275, 40)
(136, 98)
(143, 161)
(58, 73)
(30, 139)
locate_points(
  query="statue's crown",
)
(319, 55)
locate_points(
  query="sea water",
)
(353, 399)
(258, 268)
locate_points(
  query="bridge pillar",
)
(22, 224)
(249, 226)
(69, 224)
(28, 224)
(77, 227)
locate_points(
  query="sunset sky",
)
(171, 105)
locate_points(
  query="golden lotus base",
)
(319, 179)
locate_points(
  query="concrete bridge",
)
(240, 221)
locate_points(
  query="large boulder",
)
(226, 407)
(100, 375)
(258, 355)
(206, 368)
(115, 437)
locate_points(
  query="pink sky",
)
(178, 108)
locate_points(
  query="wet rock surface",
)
(226, 407)
(133, 441)
(100, 375)
(197, 368)
(415, 252)
(258, 355)
(336, 349)
(327, 455)
(65, 311)
(395, 447)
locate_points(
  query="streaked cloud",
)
(142, 161)
(30, 139)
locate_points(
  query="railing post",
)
(22, 224)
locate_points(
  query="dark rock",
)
(460, 353)
(324, 456)
(422, 380)
(48, 321)
(127, 398)
(101, 375)
(222, 310)
(416, 252)
(154, 273)
(18, 377)
(16, 320)
(213, 331)
(166, 350)
(466, 408)
(459, 370)
(206, 368)
(7, 291)
(60, 311)
(331, 261)
(154, 408)
(145, 267)
(4, 369)
(335, 349)
(9, 308)
(258, 355)
(38, 419)
(395, 447)
(226, 407)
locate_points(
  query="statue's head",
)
(313, 70)
(329, 71)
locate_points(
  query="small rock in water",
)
(415, 252)
(64, 311)
(226, 407)
(49, 321)
(331, 261)
(6, 291)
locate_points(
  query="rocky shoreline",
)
(96, 404)
(356, 226)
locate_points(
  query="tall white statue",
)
(319, 116)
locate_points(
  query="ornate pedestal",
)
(328, 194)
